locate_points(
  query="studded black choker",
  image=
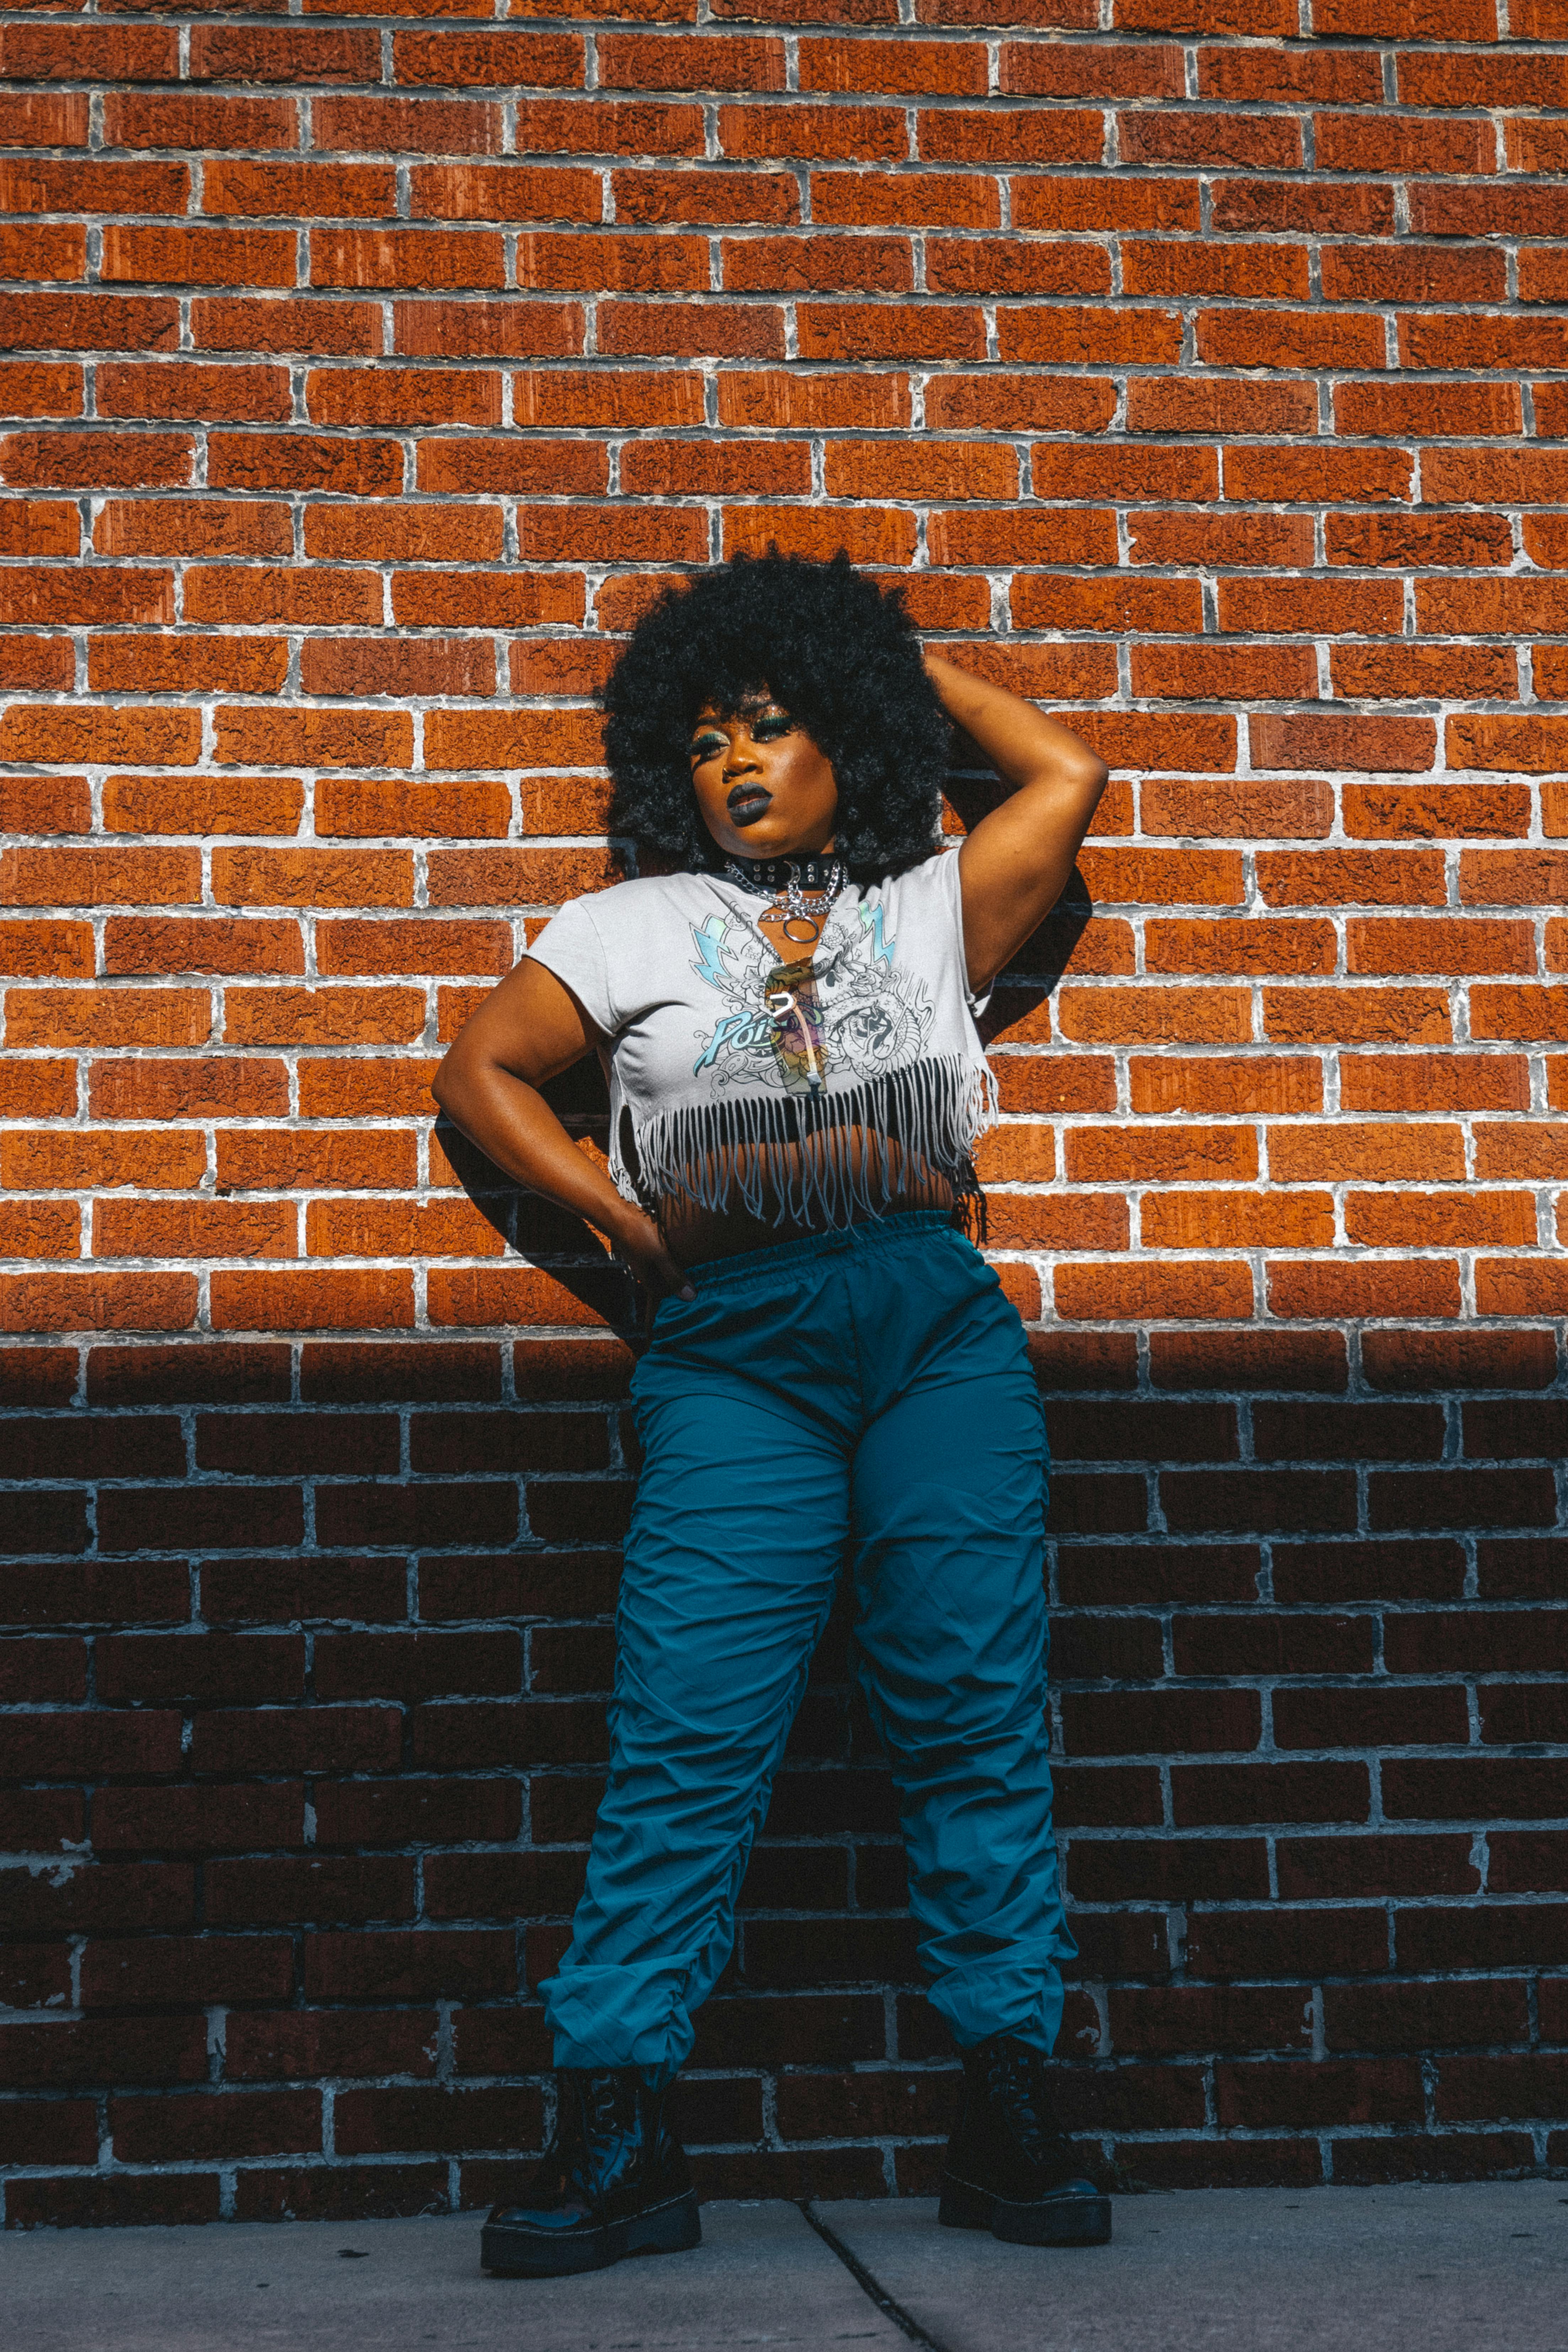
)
(772, 874)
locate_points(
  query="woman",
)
(786, 1016)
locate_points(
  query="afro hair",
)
(840, 656)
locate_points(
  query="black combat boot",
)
(1010, 2166)
(613, 2181)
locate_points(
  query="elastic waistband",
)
(873, 1234)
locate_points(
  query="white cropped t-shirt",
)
(738, 1079)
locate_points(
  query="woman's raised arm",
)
(1014, 865)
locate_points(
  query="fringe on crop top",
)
(819, 1089)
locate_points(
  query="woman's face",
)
(763, 786)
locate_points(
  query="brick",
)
(1480, 1221)
(192, 1229)
(1504, 1151)
(931, 200)
(62, 321)
(1410, 411)
(851, 332)
(1360, 1571)
(1171, 1155)
(414, 535)
(407, 258)
(1435, 812)
(1518, 342)
(506, 57)
(198, 256)
(188, 1373)
(187, 1090)
(817, 265)
(1084, 336)
(1298, 339)
(652, 199)
(1373, 1152)
(109, 1017)
(312, 877)
(100, 1302)
(1356, 1016)
(277, 325)
(1195, 1015)
(503, 192)
(1261, 945)
(203, 804)
(1518, 1014)
(417, 946)
(1264, 1501)
(1426, 1359)
(328, 1891)
(37, 1089)
(1047, 537)
(607, 127)
(360, 1089)
(44, 119)
(1296, 1944)
(89, 52)
(1369, 607)
(1112, 1293)
(1400, 1082)
(402, 396)
(1162, 1084)
(71, 1158)
(190, 119)
(191, 526)
(380, 806)
(299, 2045)
(257, 593)
(337, 738)
(417, 126)
(273, 53)
(314, 190)
(1462, 945)
(178, 943)
(1462, 1497)
(311, 1300)
(1221, 1220)
(39, 1229)
(261, 1591)
(1323, 1291)
(1254, 1793)
(38, 662)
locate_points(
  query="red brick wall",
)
(1203, 380)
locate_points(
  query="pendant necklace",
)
(786, 881)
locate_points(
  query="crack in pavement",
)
(869, 2284)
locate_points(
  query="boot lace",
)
(1021, 2089)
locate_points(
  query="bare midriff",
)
(898, 1183)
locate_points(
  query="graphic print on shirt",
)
(844, 1009)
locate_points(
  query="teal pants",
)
(861, 1398)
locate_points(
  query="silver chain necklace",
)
(801, 927)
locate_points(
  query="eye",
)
(707, 745)
(769, 730)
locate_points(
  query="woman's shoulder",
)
(647, 901)
(930, 877)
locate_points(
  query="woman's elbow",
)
(442, 1085)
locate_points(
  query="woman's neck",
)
(810, 869)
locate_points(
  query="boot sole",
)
(512, 2252)
(1068, 2220)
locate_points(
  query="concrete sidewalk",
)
(1474, 2269)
